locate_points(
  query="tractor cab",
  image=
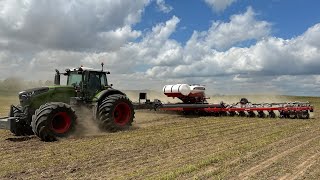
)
(86, 81)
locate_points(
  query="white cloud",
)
(242, 27)
(216, 57)
(163, 6)
(114, 39)
(69, 25)
(203, 55)
(270, 56)
(219, 5)
(46, 60)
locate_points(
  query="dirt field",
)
(170, 146)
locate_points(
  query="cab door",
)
(94, 83)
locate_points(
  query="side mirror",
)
(57, 78)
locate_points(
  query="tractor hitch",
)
(7, 122)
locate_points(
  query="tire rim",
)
(121, 114)
(61, 123)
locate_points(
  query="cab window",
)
(94, 81)
(103, 80)
(74, 79)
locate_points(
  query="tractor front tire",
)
(53, 120)
(115, 113)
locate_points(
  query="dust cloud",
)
(86, 125)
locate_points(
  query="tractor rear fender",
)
(103, 94)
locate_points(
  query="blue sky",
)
(289, 18)
(231, 46)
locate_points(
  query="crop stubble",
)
(168, 146)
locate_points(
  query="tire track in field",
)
(277, 143)
(286, 165)
(313, 172)
(148, 119)
(159, 130)
(211, 148)
(179, 158)
(252, 171)
(223, 129)
(213, 134)
(124, 140)
(173, 127)
(134, 153)
(188, 123)
(203, 126)
(139, 166)
(208, 128)
(301, 168)
(206, 172)
(189, 149)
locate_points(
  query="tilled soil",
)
(171, 146)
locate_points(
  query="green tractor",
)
(50, 112)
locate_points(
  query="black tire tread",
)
(39, 122)
(105, 118)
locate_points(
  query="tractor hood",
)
(32, 92)
(40, 90)
(26, 94)
(37, 96)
